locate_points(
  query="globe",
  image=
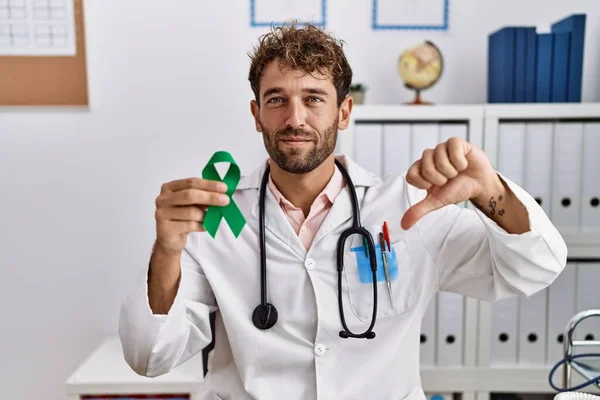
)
(420, 67)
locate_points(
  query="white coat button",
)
(320, 349)
(310, 264)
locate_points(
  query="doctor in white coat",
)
(504, 246)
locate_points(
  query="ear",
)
(255, 110)
(344, 113)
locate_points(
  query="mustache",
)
(292, 132)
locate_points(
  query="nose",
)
(296, 117)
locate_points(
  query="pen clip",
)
(386, 236)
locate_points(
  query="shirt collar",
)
(359, 176)
(331, 190)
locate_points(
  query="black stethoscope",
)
(265, 314)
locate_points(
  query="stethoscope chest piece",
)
(264, 316)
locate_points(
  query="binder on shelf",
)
(560, 67)
(450, 329)
(504, 332)
(396, 148)
(367, 146)
(538, 162)
(575, 25)
(587, 298)
(561, 308)
(508, 52)
(530, 64)
(448, 130)
(492, 70)
(503, 48)
(524, 66)
(424, 136)
(521, 66)
(428, 334)
(566, 174)
(511, 151)
(543, 81)
(590, 179)
(532, 329)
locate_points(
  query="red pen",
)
(386, 236)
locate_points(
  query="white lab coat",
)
(302, 357)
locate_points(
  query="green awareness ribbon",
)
(232, 214)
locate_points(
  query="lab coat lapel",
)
(276, 221)
(341, 211)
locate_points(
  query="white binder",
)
(504, 332)
(428, 333)
(590, 185)
(424, 136)
(561, 308)
(538, 163)
(449, 130)
(511, 151)
(367, 147)
(450, 329)
(396, 148)
(531, 350)
(587, 298)
(566, 185)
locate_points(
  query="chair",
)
(211, 345)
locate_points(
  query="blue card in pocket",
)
(364, 265)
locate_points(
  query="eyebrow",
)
(275, 90)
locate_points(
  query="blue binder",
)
(491, 71)
(524, 64)
(520, 64)
(508, 43)
(530, 64)
(494, 68)
(560, 67)
(545, 46)
(575, 24)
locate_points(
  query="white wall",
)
(168, 87)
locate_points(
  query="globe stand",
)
(417, 101)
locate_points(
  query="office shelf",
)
(505, 379)
(106, 372)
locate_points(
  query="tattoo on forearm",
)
(492, 205)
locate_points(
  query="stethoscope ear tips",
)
(264, 316)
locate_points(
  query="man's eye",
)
(275, 100)
(315, 99)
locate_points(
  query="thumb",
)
(416, 212)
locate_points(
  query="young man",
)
(506, 246)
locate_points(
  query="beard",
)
(300, 160)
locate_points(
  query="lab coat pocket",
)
(396, 299)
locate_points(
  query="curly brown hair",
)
(309, 49)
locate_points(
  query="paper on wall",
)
(37, 28)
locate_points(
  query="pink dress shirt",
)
(307, 228)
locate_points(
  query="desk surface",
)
(106, 371)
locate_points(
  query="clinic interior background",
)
(168, 87)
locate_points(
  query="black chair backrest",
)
(211, 345)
